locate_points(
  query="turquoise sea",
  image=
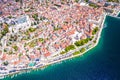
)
(100, 63)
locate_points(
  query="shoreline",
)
(93, 46)
(118, 14)
(97, 41)
(40, 47)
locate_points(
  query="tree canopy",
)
(112, 0)
(82, 50)
(95, 30)
(82, 42)
(70, 47)
(76, 53)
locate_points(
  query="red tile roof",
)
(47, 54)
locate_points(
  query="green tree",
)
(80, 43)
(76, 1)
(5, 30)
(15, 48)
(76, 53)
(63, 52)
(70, 47)
(32, 29)
(17, 0)
(95, 30)
(20, 55)
(93, 5)
(5, 63)
(82, 50)
(35, 16)
(86, 0)
(113, 1)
